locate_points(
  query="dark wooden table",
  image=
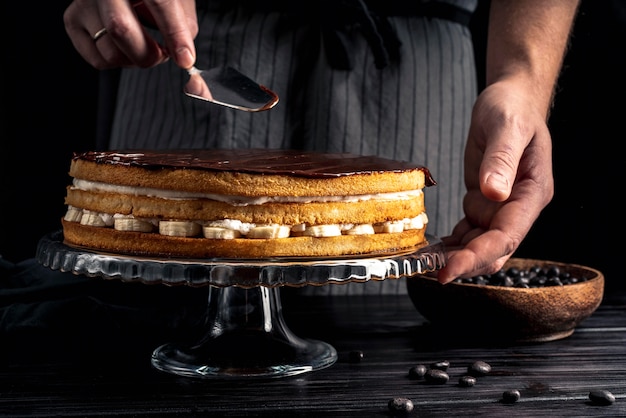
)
(554, 378)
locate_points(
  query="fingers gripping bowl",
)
(509, 313)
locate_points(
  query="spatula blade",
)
(228, 87)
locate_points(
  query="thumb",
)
(496, 186)
(499, 169)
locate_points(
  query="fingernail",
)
(164, 55)
(184, 58)
(498, 182)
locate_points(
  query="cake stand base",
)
(246, 336)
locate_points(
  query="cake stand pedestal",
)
(245, 332)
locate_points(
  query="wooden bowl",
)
(516, 314)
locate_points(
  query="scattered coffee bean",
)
(511, 396)
(536, 276)
(417, 372)
(467, 381)
(355, 356)
(601, 397)
(440, 365)
(400, 405)
(436, 376)
(479, 368)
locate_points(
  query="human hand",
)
(508, 176)
(127, 43)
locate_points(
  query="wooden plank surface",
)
(554, 378)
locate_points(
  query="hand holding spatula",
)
(224, 86)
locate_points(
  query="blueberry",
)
(481, 280)
(507, 282)
(498, 278)
(536, 276)
(538, 281)
(521, 281)
(514, 272)
(553, 271)
(553, 281)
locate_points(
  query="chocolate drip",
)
(256, 161)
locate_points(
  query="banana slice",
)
(216, 232)
(322, 231)
(92, 219)
(269, 231)
(132, 224)
(389, 227)
(362, 229)
(415, 223)
(179, 228)
(73, 214)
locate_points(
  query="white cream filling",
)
(236, 200)
(233, 228)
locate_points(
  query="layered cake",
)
(253, 203)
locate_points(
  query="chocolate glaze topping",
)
(256, 161)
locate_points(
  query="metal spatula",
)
(223, 86)
(226, 86)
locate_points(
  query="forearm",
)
(527, 41)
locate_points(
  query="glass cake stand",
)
(245, 333)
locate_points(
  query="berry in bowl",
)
(526, 301)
